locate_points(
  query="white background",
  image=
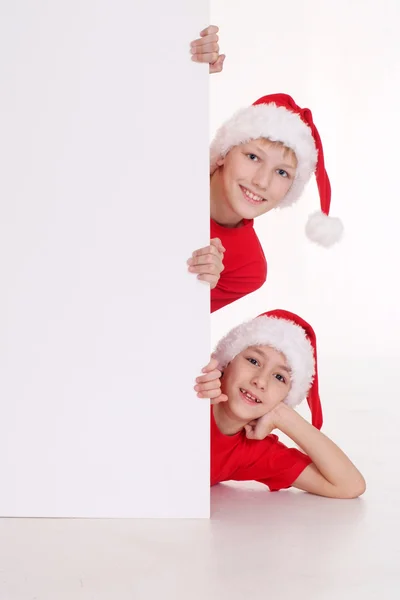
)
(341, 61)
(103, 197)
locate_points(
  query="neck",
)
(226, 421)
(220, 211)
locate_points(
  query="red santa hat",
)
(278, 118)
(295, 339)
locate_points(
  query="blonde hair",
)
(287, 152)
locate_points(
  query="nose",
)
(262, 177)
(260, 382)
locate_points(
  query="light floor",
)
(257, 544)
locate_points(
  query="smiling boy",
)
(259, 373)
(260, 159)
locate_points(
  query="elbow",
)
(362, 488)
(355, 490)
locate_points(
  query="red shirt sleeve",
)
(273, 464)
(245, 267)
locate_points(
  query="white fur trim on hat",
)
(282, 335)
(324, 230)
(277, 124)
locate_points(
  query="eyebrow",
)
(261, 353)
(287, 166)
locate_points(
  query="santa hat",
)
(295, 339)
(278, 118)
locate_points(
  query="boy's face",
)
(255, 177)
(256, 381)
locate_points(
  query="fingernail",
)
(190, 261)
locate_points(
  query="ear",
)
(220, 161)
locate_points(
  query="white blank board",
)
(103, 197)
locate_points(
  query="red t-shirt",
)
(245, 267)
(267, 461)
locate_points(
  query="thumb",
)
(218, 244)
(221, 398)
(249, 431)
(218, 65)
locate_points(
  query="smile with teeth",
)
(249, 397)
(250, 197)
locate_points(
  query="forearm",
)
(328, 458)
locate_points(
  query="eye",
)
(280, 378)
(252, 157)
(253, 361)
(283, 173)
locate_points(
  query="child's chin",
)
(248, 211)
(245, 413)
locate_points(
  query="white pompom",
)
(324, 230)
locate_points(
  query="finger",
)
(210, 58)
(211, 394)
(212, 48)
(215, 374)
(212, 387)
(218, 65)
(216, 242)
(211, 249)
(211, 279)
(206, 269)
(211, 42)
(205, 260)
(210, 30)
(211, 384)
(220, 398)
(212, 365)
(249, 431)
(210, 269)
